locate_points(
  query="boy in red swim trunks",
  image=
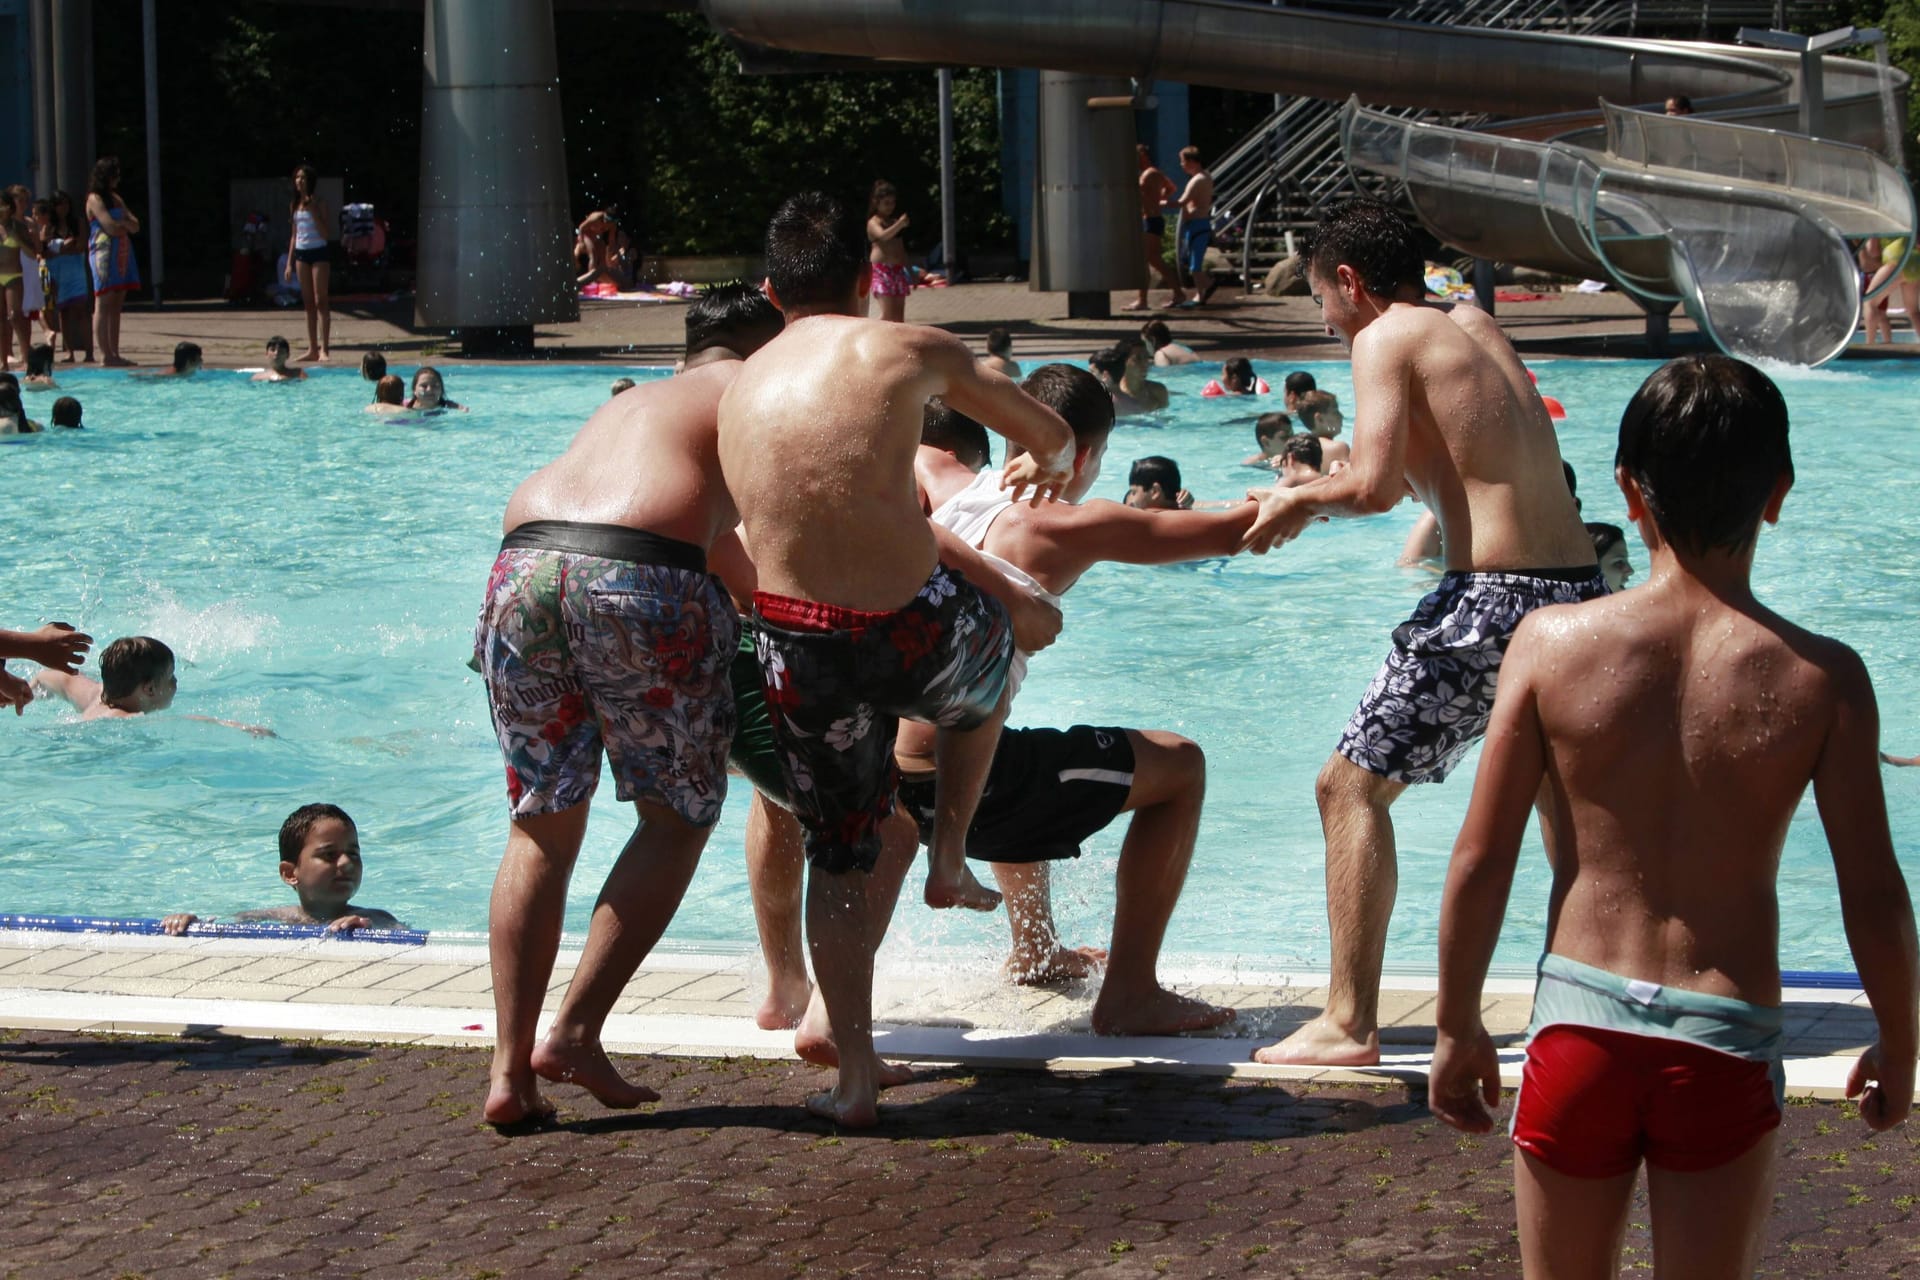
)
(1675, 728)
(859, 623)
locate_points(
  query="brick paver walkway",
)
(218, 1157)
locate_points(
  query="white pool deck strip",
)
(703, 1004)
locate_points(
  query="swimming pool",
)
(318, 570)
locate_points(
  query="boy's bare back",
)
(1680, 731)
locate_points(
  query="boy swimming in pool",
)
(136, 677)
(320, 862)
(1656, 1030)
(278, 349)
(859, 622)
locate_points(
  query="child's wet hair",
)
(1312, 406)
(1705, 438)
(373, 366)
(816, 251)
(1156, 334)
(1304, 448)
(944, 427)
(390, 390)
(1238, 373)
(1075, 395)
(130, 662)
(188, 353)
(1155, 469)
(40, 360)
(278, 343)
(66, 412)
(1111, 361)
(300, 824)
(737, 316)
(999, 341)
(1269, 425)
(1605, 537)
(1299, 382)
(1375, 240)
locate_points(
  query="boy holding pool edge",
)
(320, 862)
(1656, 1031)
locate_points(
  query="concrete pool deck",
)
(686, 1004)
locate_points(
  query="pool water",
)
(318, 569)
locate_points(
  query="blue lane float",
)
(211, 929)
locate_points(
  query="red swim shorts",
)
(1593, 1103)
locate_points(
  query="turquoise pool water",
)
(318, 569)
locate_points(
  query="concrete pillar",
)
(73, 144)
(1086, 218)
(495, 230)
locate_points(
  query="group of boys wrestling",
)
(720, 561)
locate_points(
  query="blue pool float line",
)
(209, 929)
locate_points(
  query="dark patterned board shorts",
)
(838, 682)
(1434, 694)
(581, 652)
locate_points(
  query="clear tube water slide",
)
(1743, 225)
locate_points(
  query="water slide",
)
(1735, 219)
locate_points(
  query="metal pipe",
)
(45, 167)
(156, 256)
(494, 224)
(949, 236)
(73, 147)
(1086, 240)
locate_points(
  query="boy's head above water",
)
(1704, 443)
(320, 858)
(1610, 548)
(136, 674)
(1154, 484)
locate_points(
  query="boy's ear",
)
(766, 287)
(1771, 514)
(1630, 490)
(866, 282)
(288, 873)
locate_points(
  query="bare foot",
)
(587, 1065)
(965, 892)
(311, 353)
(785, 1003)
(861, 1113)
(511, 1101)
(1158, 1013)
(1136, 305)
(1321, 1043)
(1066, 964)
(813, 1040)
(326, 354)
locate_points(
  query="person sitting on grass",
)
(278, 349)
(136, 677)
(1270, 431)
(430, 391)
(389, 395)
(320, 862)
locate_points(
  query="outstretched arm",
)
(1873, 896)
(1072, 540)
(997, 402)
(1464, 1082)
(1036, 624)
(57, 646)
(81, 691)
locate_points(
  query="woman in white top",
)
(310, 253)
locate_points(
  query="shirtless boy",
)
(602, 627)
(999, 357)
(320, 862)
(278, 349)
(1156, 193)
(1443, 407)
(1656, 1027)
(1196, 226)
(859, 623)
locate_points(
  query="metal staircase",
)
(1278, 178)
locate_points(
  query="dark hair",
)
(1304, 448)
(1149, 471)
(620, 386)
(1075, 395)
(1156, 334)
(10, 405)
(1705, 438)
(1111, 361)
(390, 390)
(39, 360)
(1238, 370)
(1299, 382)
(301, 822)
(70, 227)
(66, 412)
(130, 662)
(999, 341)
(1374, 240)
(816, 251)
(1683, 102)
(1605, 536)
(1311, 405)
(1190, 152)
(373, 366)
(1269, 425)
(881, 190)
(106, 174)
(278, 343)
(945, 427)
(736, 316)
(186, 353)
(43, 208)
(1573, 482)
(313, 183)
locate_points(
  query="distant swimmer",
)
(1319, 412)
(320, 861)
(1166, 351)
(999, 357)
(1270, 432)
(136, 678)
(1299, 462)
(1153, 484)
(278, 349)
(1444, 408)
(389, 395)
(430, 392)
(187, 361)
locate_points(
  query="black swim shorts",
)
(1433, 695)
(1048, 790)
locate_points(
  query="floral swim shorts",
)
(837, 682)
(597, 635)
(1434, 693)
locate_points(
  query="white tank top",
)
(968, 514)
(306, 231)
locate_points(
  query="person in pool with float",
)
(320, 861)
(1657, 1026)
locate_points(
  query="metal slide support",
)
(494, 224)
(73, 150)
(949, 237)
(1086, 238)
(156, 256)
(45, 168)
